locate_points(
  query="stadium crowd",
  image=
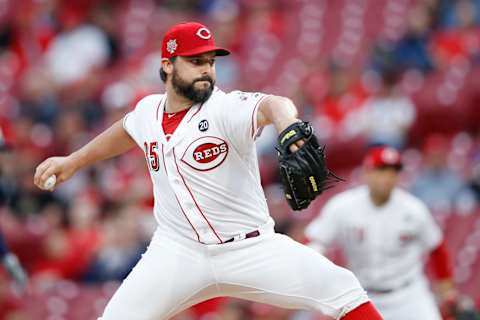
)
(403, 73)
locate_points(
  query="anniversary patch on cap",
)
(190, 39)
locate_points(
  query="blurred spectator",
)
(5, 170)
(38, 99)
(343, 96)
(10, 305)
(260, 33)
(475, 176)
(463, 41)
(26, 35)
(105, 17)
(437, 185)
(71, 241)
(118, 251)
(475, 181)
(411, 51)
(76, 51)
(448, 12)
(386, 117)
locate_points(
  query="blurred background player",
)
(385, 233)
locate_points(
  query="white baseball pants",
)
(410, 303)
(176, 273)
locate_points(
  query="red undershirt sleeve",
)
(440, 262)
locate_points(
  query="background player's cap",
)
(189, 39)
(381, 157)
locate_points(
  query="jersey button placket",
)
(185, 194)
(185, 206)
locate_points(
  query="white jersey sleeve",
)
(238, 117)
(129, 124)
(430, 233)
(132, 121)
(325, 228)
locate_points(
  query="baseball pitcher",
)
(215, 236)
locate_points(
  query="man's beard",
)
(188, 90)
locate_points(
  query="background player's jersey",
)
(206, 178)
(384, 246)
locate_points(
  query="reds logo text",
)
(205, 153)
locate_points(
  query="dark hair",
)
(163, 75)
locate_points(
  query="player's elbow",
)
(284, 102)
(276, 109)
(281, 99)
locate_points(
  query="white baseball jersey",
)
(384, 246)
(205, 177)
(207, 190)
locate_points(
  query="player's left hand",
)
(297, 145)
(287, 123)
(302, 165)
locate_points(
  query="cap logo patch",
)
(204, 33)
(172, 46)
(390, 155)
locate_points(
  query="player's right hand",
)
(62, 167)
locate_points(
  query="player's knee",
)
(353, 293)
(337, 291)
(332, 281)
(346, 278)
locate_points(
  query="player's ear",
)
(167, 66)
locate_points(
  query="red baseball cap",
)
(381, 157)
(189, 39)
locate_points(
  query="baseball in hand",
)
(50, 182)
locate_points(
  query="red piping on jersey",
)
(253, 116)
(163, 157)
(193, 198)
(158, 107)
(200, 107)
(198, 236)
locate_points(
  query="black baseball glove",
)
(304, 172)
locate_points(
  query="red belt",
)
(252, 234)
